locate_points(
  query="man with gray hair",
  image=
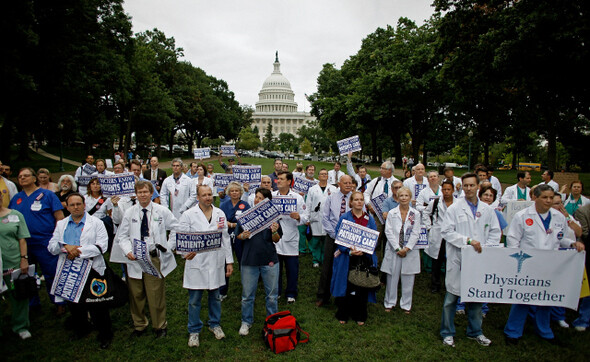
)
(178, 193)
(416, 183)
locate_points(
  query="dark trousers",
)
(353, 306)
(100, 317)
(291, 265)
(435, 277)
(326, 276)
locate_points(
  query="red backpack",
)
(282, 333)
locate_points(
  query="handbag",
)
(364, 277)
(282, 333)
(107, 290)
(25, 287)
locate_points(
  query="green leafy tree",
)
(248, 139)
(306, 146)
(288, 142)
(268, 141)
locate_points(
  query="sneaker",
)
(563, 324)
(482, 340)
(244, 329)
(316, 265)
(218, 332)
(580, 329)
(193, 340)
(449, 341)
(460, 311)
(24, 334)
(290, 300)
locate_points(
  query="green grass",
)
(36, 161)
(392, 336)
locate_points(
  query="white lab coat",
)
(180, 201)
(117, 215)
(315, 197)
(414, 186)
(94, 241)
(522, 235)
(160, 220)
(289, 243)
(393, 224)
(375, 188)
(497, 186)
(459, 224)
(425, 196)
(553, 184)
(206, 181)
(434, 226)
(334, 177)
(102, 210)
(12, 190)
(511, 193)
(207, 269)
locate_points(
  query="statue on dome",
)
(277, 56)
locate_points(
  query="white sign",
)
(201, 153)
(350, 144)
(522, 276)
(512, 207)
(228, 151)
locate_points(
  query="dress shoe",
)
(137, 333)
(161, 333)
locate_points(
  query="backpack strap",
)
(374, 187)
(97, 205)
(304, 332)
(434, 209)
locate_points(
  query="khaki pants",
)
(152, 290)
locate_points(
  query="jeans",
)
(270, 279)
(583, 319)
(517, 318)
(194, 309)
(291, 263)
(474, 317)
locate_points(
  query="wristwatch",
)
(24, 257)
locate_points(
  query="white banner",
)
(517, 276)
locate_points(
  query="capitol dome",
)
(276, 106)
(276, 94)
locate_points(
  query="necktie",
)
(145, 230)
(133, 201)
(386, 187)
(363, 184)
(154, 176)
(402, 242)
(343, 205)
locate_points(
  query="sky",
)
(236, 40)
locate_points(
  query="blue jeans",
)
(270, 279)
(461, 306)
(583, 319)
(291, 263)
(474, 317)
(194, 309)
(517, 318)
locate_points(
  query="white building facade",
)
(276, 104)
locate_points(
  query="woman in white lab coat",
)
(402, 229)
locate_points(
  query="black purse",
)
(107, 290)
(364, 277)
(25, 287)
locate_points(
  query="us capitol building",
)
(276, 105)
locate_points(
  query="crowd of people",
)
(46, 222)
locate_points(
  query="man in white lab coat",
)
(537, 227)
(206, 270)
(466, 222)
(178, 192)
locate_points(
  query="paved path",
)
(54, 157)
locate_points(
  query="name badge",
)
(176, 192)
(239, 212)
(12, 218)
(36, 206)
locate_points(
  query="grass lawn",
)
(36, 161)
(393, 336)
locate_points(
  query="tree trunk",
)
(397, 148)
(374, 144)
(128, 135)
(551, 147)
(514, 157)
(486, 151)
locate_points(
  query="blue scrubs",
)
(38, 209)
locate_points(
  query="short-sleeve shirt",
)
(13, 227)
(259, 250)
(40, 220)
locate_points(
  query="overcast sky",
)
(236, 40)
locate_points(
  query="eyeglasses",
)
(24, 176)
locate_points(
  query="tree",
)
(268, 142)
(288, 142)
(306, 146)
(316, 136)
(248, 139)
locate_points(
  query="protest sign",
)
(248, 174)
(228, 151)
(512, 207)
(422, 239)
(522, 276)
(221, 180)
(303, 185)
(350, 144)
(260, 217)
(201, 153)
(377, 204)
(198, 242)
(355, 236)
(142, 256)
(122, 184)
(285, 204)
(154, 183)
(84, 180)
(88, 169)
(70, 278)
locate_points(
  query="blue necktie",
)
(145, 230)
(386, 188)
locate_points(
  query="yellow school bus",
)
(529, 166)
